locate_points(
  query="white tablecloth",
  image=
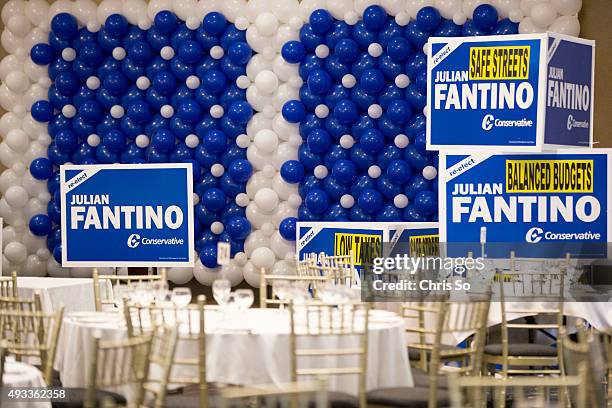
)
(17, 374)
(76, 294)
(255, 350)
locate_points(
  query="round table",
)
(250, 348)
(18, 374)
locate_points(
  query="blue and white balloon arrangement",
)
(310, 110)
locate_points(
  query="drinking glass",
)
(280, 288)
(244, 298)
(160, 289)
(221, 290)
(181, 297)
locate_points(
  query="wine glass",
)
(221, 290)
(160, 289)
(181, 297)
(244, 298)
(280, 288)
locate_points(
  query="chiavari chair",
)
(12, 303)
(527, 391)
(3, 351)
(8, 285)
(315, 321)
(340, 269)
(515, 289)
(116, 363)
(308, 277)
(32, 334)
(163, 347)
(191, 321)
(452, 319)
(295, 395)
(104, 284)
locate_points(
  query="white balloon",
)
(255, 156)
(59, 6)
(281, 246)
(180, 276)
(338, 8)
(413, 6)
(448, 8)
(266, 141)
(232, 9)
(35, 150)
(526, 5)
(9, 234)
(526, 26)
(203, 274)
(55, 270)
(8, 122)
(9, 99)
(543, 14)
(37, 11)
(32, 242)
(34, 266)
(8, 178)
(205, 7)
(282, 188)
(251, 274)
(266, 24)
(568, 25)
(15, 252)
(266, 200)
(34, 207)
(19, 25)
(284, 267)
(185, 9)
(284, 70)
(470, 5)
(308, 6)
(256, 217)
(266, 82)
(361, 5)
(256, 40)
(9, 64)
(285, 151)
(284, 34)
(261, 257)
(284, 210)
(284, 93)
(155, 6)
(258, 122)
(257, 100)
(257, 64)
(16, 197)
(232, 272)
(36, 73)
(257, 181)
(256, 239)
(567, 7)
(17, 140)
(82, 272)
(85, 11)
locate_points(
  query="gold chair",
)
(12, 303)
(452, 319)
(312, 321)
(297, 394)
(515, 289)
(32, 334)
(139, 320)
(471, 392)
(8, 285)
(104, 285)
(3, 351)
(308, 277)
(117, 363)
(340, 269)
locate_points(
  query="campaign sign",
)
(539, 205)
(523, 92)
(127, 215)
(416, 239)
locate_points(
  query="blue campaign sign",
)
(127, 215)
(511, 202)
(569, 99)
(509, 92)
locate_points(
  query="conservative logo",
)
(573, 123)
(489, 122)
(536, 234)
(135, 240)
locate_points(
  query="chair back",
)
(163, 347)
(312, 322)
(3, 351)
(528, 391)
(420, 318)
(192, 329)
(340, 269)
(8, 285)
(308, 278)
(297, 395)
(32, 333)
(16, 303)
(104, 286)
(116, 363)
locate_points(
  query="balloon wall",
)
(312, 111)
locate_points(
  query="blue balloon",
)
(469, 29)
(214, 199)
(204, 157)
(344, 171)
(361, 158)
(293, 52)
(116, 25)
(417, 160)
(66, 141)
(40, 225)
(292, 171)
(156, 65)
(417, 62)
(308, 158)
(339, 31)
(231, 210)
(165, 21)
(426, 202)
(294, 111)
(240, 170)
(66, 83)
(417, 184)
(420, 141)
(231, 70)
(238, 227)
(336, 212)
(64, 26)
(485, 16)
(319, 141)
(336, 68)
(417, 99)
(114, 140)
(232, 153)
(140, 52)
(42, 111)
(309, 183)
(115, 82)
(181, 34)
(164, 83)
(399, 49)
(399, 171)
(208, 255)
(369, 201)
(428, 18)
(309, 38)
(363, 36)
(357, 214)
(311, 62)
(320, 21)
(204, 216)
(416, 124)
(416, 35)
(139, 111)
(304, 214)
(389, 153)
(57, 253)
(505, 27)
(448, 29)
(189, 111)
(214, 81)
(53, 184)
(240, 112)
(362, 98)
(334, 189)
(346, 111)
(374, 17)
(389, 68)
(214, 23)
(41, 168)
(215, 141)
(190, 52)
(206, 237)
(389, 30)
(317, 201)
(362, 123)
(346, 50)
(388, 189)
(133, 34)
(287, 228)
(413, 215)
(371, 141)
(229, 186)
(399, 112)
(335, 128)
(42, 54)
(58, 65)
(163, 140)
(364, 62)
(335, 153)
(389, 213)
(54, 210)
(105, 155)
(319, 82)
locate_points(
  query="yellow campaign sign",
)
(549, 176)
(366, 246)
(499, 63)
(424, 245)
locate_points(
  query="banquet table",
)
(76, 294)
(18, 374)
(252, 348)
